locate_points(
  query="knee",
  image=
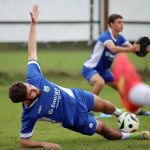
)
(100, 126)
(99, 83)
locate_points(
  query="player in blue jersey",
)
(96, 69)
(44, 100)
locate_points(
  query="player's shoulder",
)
(34, 75)
(104, 36)
(29, 112)
(121, 36)
(33, 62)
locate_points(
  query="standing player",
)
(134, 93)
(42, 99)
(96, 70)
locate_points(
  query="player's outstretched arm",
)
(129, 47)
(28, 143)
(32, 45)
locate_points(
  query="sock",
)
(117, 112)
(137, 135)
(125, 136)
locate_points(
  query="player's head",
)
(21, 91)
(115, 22)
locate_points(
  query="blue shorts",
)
(84, 123)
(89, 72)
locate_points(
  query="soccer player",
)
(134, 93)
(45, 100)
(96, 70)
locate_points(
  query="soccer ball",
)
(128, 122)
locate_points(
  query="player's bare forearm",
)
(28, 143)
(121, 49)
(130, 48)
(32, 45)
(117, 49)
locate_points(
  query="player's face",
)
(117, 25)
(31, 91)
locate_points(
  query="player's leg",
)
(101, 105)
(109, 79)
(100, 79)
(98, 83)
(93, 77)
(96, 126)
(112, 85)
(113, 134)
(107, 132)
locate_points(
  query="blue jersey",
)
(102, 58)
(55, 104)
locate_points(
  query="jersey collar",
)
(31, 104)
(112, 35)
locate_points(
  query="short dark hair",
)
(18, 92)
(113, 17)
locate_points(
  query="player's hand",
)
(148, 48)
(34, 14)
(144, 43)
(135, 47)
(47, 145)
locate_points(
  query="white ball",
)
(128, 122)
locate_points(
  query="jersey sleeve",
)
(27, 127)
(124, 42)
(33, 73)
(33, 69)
(104, 38)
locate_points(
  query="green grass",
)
(13, 63)
(70, 60)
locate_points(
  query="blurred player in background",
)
(133, 91)
(96, 70)
(45, 100)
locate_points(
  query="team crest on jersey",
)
(46, 88)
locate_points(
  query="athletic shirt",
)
(102, 58)
(55, 104)
(126, 77)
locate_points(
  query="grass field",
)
(62, 67)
